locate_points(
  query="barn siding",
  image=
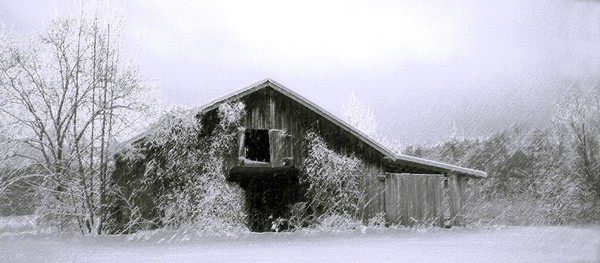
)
(270, 110)
(414, 199)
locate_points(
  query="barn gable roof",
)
(397, 159)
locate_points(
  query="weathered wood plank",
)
(413, 198)
(422, 196)
(454, 198)
(272, 112)
(390, 211)
(382, 192)
(462, 182)
(439, 201)
(429, 199)
(241, 146)
(402, 202)
(412, 192)
(276, 147)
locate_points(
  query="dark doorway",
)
(269, 193)
(257, 145)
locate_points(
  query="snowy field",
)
(506, 244)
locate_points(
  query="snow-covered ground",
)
(507, 244)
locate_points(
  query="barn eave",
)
(405, 161)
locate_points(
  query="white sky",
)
(422, 65)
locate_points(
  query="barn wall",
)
(457, 186)
(414, 199)
(268, 109)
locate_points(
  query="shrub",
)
(377, 221)
(297, 218)
(337, 222)
(332, 185)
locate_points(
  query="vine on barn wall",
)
(333, 184)
(176, 178)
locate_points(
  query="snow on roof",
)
(444, 167)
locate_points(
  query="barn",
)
(270, 152)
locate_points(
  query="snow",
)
(509, 244)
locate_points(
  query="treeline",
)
(535, 175)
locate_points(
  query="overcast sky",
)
(424, 66)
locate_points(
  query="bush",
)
(297, 218)
(337, 222)
(505, 211)
(333, 181)
(377, 221)
(332, 185)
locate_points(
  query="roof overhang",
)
(429, 165)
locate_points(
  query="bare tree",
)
(72, 96)
(579, 117)
(361, 116)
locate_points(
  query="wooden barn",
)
(406, 189)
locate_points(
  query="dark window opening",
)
(257, 145)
